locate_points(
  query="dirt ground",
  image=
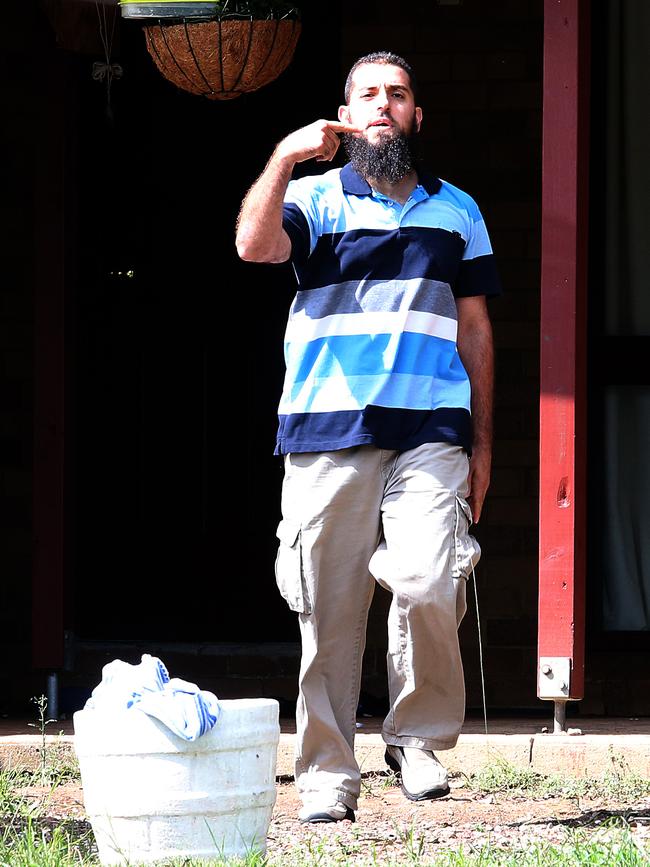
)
(398, 828)
(390, 827)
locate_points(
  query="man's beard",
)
(391, 159)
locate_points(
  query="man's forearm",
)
(476, 351)
(260, 236)
(477, 355)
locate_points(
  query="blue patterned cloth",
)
(182, 707)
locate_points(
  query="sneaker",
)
(322, 811)
(423, 777)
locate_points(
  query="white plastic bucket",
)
(151, 795)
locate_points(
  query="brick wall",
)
(17, 89)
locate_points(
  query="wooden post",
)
(562, 512)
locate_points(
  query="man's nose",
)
(382, 98)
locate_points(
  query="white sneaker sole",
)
(327, 817)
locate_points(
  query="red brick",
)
(226, 688)
(516, 453)
(516, 215)
(458, 96)
(507, 692)
(511, 155)
(502, 601)
(430, 67)
(512, 512)
(530, 363)
(533, 132)
(522, 305)
(515, 94)
(510, 422)
(505, 544)
(507, 64)
(512, 632)
(520, 10)
(508, 243)
(456, 35)
(531, 480)
(358, 12)
(517, 661)
(516, 335)
(372, 37)
(280, 688)
(534, 245)
(593, 703)
(514, 568)
(468, 67)
(506, 482)
(436, 126)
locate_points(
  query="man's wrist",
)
(282, 162)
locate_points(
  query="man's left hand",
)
(479, 480)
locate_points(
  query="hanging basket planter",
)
(218, 48)
(224, 58)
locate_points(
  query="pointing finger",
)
(339, 126)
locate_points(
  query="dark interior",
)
(178, 352)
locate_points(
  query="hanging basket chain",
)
(106, 71)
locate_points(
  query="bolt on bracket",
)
(554, 678)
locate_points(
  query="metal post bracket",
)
(554, 677)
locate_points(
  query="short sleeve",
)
(300, 217)
(477, 274)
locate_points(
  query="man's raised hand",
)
(320, 140)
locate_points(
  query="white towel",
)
(185, 709)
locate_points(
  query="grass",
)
(30, 843)
(619, 783)
(618, 849)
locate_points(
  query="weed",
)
(378, 781)
(413, 844)
(41, 705)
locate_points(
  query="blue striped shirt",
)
(370, 346)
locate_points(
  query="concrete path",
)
(602, 745)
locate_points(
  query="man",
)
(388, 329)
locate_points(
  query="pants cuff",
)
(420, 743)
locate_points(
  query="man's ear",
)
(344, 113)
(418, 118)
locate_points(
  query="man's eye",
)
(398, 94)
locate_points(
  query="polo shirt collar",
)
(352, 182)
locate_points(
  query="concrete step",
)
(602, 745)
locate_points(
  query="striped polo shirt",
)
(370, 346)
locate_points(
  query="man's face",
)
(381, 103)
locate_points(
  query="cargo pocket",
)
(289, 573)
(467, 549)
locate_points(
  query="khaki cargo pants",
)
(350, 518)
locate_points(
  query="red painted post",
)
(562, 512)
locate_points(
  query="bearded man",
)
(384, 424)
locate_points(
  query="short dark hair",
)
(384, 57)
